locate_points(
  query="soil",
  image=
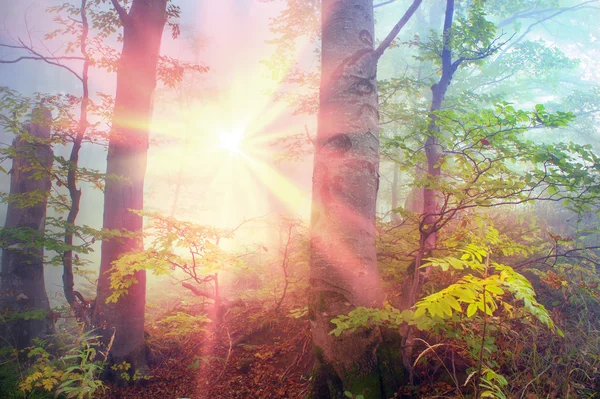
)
(253, 354)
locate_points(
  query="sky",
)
(214, 134)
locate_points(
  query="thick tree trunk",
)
(344, 272)
(22, 286)
(127, 150)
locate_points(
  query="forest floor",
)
(252, 354)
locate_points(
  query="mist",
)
(328, 187)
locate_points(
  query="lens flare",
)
(231, 141)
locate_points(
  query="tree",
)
(343, 264)
(472, 134)
(69, 129)
(22, 287)
(123, 322)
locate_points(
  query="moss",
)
(369, 385)
(391, 367)
(322, 305)
(312, 315)
(326, 384)
(319, 353)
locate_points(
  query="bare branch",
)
(560, 11)
(396, 29)
(533, 13)
(566, 254)
(308, 136)
(384, 3)
(39, 59)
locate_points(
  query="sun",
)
(231, 141)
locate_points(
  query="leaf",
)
(494, 289)
(471, 309)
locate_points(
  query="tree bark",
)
(127, 151)
(395, 216)
(433, 150)
(22, 287)
(343, 264)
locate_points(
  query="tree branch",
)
(197, 291)
(39, 59)
(555, 256)
(529, 13)
(560, 11)
(396, 29)
(123, 16)
(384, 3)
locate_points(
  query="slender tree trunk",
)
(430, 196)
(395, 202)
(74, 192)
(127, 151)
(433, 150)
(343, 264)
(22, 287)
(428, 228)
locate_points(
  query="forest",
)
(320, 199)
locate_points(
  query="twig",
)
(38, 59)
(535, 379)
(384, 3)
(484, 329)
(228, 355)
(308, 136)
(432, 349)
(396, 29)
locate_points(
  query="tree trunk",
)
(429, 226)
(433, 150)
(22, 287)
(127, 151)
(74, 192)
(395, 217)
(343, 264)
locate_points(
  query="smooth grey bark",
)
(343, 272)
(127, 151)
(22, 287)
(343, 264)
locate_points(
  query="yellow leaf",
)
(471, 309)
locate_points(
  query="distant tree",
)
(88, 26)
(23, 300)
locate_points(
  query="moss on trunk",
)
(380, 383)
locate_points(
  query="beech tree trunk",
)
(343, 264)
(22, 287)
(127, 151)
